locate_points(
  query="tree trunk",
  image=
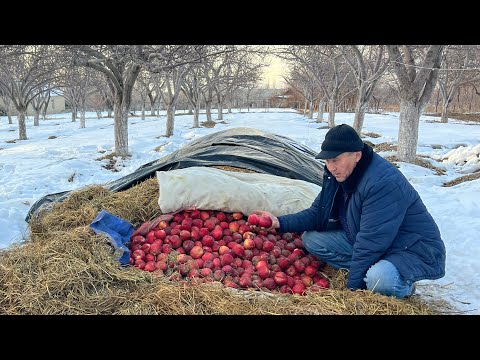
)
(321, 108)
(416, 89)
(9, 118)
(22, 129)
(36, 117)
(437, 101)
(152, 107)
(143, 111)
(444, 117)
(74, 115)
(312, 109)
(208, 110)
(196, 115)
(220, 111)
(408, 130)
(99, 114)
(359, 116)
(170, 120)
(331, 112)
(470, 101)
(360, 108)
(120, 124)
(82, 119)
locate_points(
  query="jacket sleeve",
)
(382, 213)
(304, 220)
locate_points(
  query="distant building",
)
(260, 98)
(55, 105)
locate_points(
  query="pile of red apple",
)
(210, 245)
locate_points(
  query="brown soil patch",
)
(372, 135)
(420, 162)
(208, 124)
(469, 177)
(111, 164)
(428, 165)
(52, 137)
(459, 116)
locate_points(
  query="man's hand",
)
(275, 222)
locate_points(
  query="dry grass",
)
(65, 268)
(371, 134)
(385, 147)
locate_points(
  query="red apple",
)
(249, 243)
(280, 278)
(323, 283)
(196, 252)
(237, 215)
(253, 219)
(265, 221)
(298, 289)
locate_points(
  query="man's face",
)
(342, 166)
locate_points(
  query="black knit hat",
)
(340, 139)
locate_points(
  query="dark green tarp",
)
(244, 148)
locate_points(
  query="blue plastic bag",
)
(117, 230)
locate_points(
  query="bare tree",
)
(457, 60)
(191, 88)
(25, 72)
(141, 89)
(166, 58)
(326, 65)
(416, 81)
(46, 102)
(121, 65)
(173, 83)
(38, 103)
(151, 86)
(77, 86)
(118, 63)
(100, 98)
(305, 84)
(8, 107)
(237, 68)
(368, 64)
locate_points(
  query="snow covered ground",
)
(58, 156)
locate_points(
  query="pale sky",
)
(273, 73)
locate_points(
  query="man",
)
(368, 219)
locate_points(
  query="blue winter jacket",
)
(387, 220)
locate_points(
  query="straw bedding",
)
(65, 268)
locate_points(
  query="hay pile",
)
(65, 268)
